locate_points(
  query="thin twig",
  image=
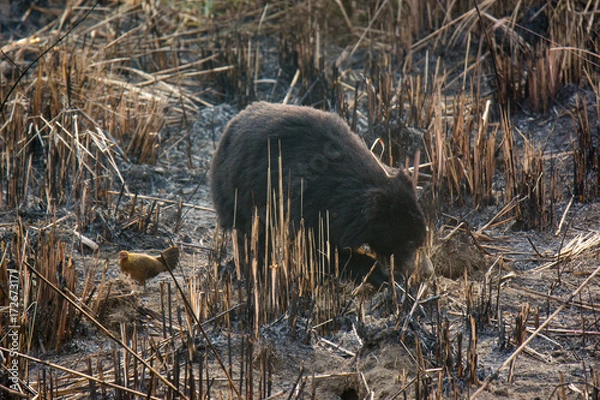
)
(166, 201)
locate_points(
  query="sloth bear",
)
(327, 174)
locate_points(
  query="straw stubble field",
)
(111, 111)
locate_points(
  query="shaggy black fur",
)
(327, 172)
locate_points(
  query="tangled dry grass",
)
(109, 113)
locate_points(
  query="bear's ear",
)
(380, 204)
(394, 205)
(404, 178)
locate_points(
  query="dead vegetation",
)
(494, 110)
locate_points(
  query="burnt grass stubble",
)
(493, 201)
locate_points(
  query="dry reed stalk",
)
(533, 211)
(518, 351)
(407, 318)
(86, 377)
(576, 246)
(562, 220)
(193, 321)
(586, 156)
(103, 329)
(547, 297)
(136, 196)
(254, 274)
(472, 356)
(286, 99)
(59, 319)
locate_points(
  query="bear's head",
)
(395, 222)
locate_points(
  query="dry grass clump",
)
(457, 255)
